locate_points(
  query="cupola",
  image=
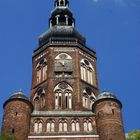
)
(61, 26)
(61, 15)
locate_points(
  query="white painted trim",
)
(64, 136)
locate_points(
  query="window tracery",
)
(38, 126)
(39, 99)
(63, 92)
(87, 71)
(75, 125)
(88, 98)
(88, 125)
(41, 70)
(50, 126)
(63, 126)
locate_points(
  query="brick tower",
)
(64, 88)
(64, 82)
(16, 119)
(108, 117)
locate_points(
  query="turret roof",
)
(19, 95)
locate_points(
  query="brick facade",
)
(16, 119)
(64, 87)
(109, 120)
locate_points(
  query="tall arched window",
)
(75, 125)
(63, 96)
(88, 125)
(88, 98)
(58, 99)
(38, 126)
(62, 3)
(68, 99)
(41, 69)
(50, 126)
(63, 65)
(87, 71)
(63, 126)
(39, 99)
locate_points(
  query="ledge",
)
(63, 113)
(64, 136)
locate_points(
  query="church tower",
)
(64, 82)
(65, 103)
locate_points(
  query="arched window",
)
(87, 71)
(41, 69)
(88, 98)
(63, 65)
(39, 99)
(62, 20)
(50, 126)
(58, 99)
(38, 126)
(61, 2)
(88, 125)
(63, 92)
(68, 99)
(75, 125)
(63, 126)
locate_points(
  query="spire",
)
(61, 15)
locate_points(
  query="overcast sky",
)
(111, 27)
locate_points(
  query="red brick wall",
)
(109, 120)
(76, 83)
(16, 119)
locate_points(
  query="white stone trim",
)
(62, 113)
(64, 136)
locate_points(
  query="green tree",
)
(134, 135)
(7, 137)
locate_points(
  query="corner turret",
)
(17, 108)
(109, 117)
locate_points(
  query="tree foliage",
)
(7, 137)
(134, 135)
